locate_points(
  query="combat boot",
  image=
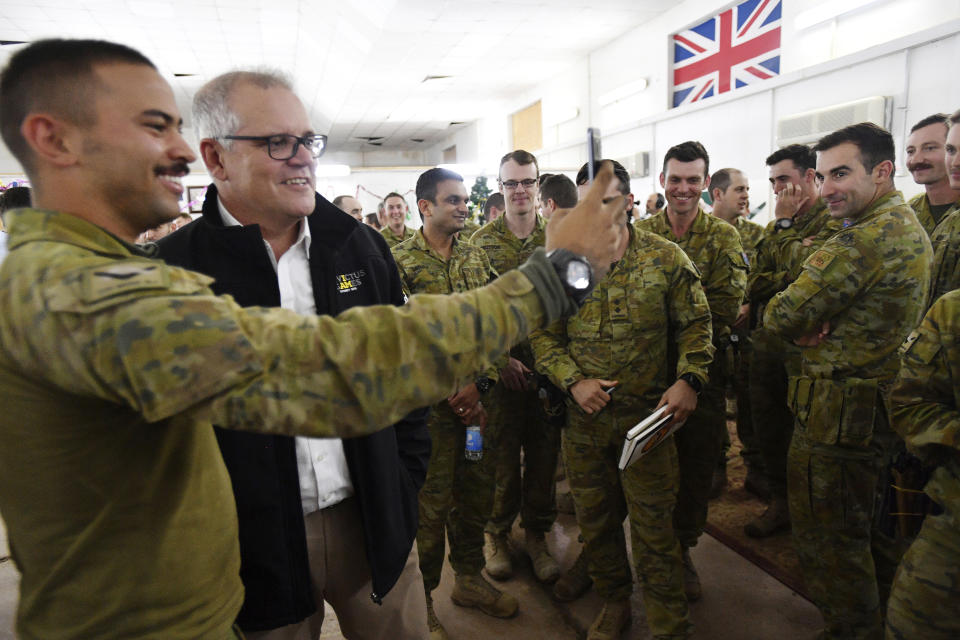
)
(475, 591)
(544, 566)
(496, 553)
(437, 632)
(575, 582)
(691, 580)
(774, 520)
(611, 621)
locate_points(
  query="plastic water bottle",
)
(474, 449)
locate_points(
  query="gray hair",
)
(212, 115)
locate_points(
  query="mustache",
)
(177, 169)
(919, 165)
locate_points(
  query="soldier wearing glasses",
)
(320, 519)
(517, 405)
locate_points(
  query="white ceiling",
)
(359, 66)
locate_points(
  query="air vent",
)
(370, 139)
(184, 75)
(453, 124)
(417, 139)
(429, 78)
(810, 126)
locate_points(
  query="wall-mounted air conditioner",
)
(808, 127)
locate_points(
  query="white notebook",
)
(646, 435)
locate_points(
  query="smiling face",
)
(254, 187)
(395, 212)
(845, 184)
(925, 154)
(134, 156)
(450, 212)
(683, 182)
(519, 200)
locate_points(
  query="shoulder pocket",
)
(91, 289)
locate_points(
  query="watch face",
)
(578, 274)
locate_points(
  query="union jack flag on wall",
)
(737, 47)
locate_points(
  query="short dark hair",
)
(618, 170)
(428, 181)
(803, 157)
(936, 118)
(954, 117)
(874, 143)
(14, 198)
(688, 151)
(560, 189)
(57, 76)
(393, 194)
(371, 219)
(521, 157)
(495, 200)
(543, 177)
(722, 178)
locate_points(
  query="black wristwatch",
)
(783, 223)
(575, 273)
(483, 385)
(693, 381)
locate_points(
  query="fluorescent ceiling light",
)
(827, 11)
(624, 91)
(333, 170)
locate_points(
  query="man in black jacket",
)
(320, 519)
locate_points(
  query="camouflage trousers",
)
(736, 376)
(456, 498)
(925, 599)
(699, 444)
(646, 492)
(523, 423)
(834, 493)
(772, 417)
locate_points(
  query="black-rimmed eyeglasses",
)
(284, 146)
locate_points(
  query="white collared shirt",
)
(321, 462)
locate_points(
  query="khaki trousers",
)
(340, 575)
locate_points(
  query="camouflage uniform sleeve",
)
(690, 320)
(923, 398)
(552, 356)
(161, 344)
(493, 371)
(727, 282)
(766, 279)
(831, 277)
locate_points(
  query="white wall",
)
(898, 49)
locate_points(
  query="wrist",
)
(693, 382)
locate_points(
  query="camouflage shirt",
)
(926, 400)
(423, 270)
(114, 365)
(648, 312)
(750, 235)
(506, 251)
(946, 255)
(393, 239)
(920, 204)
(714, 247)
(869, 281)
(782, 252)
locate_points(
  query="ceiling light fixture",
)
(624, 91)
